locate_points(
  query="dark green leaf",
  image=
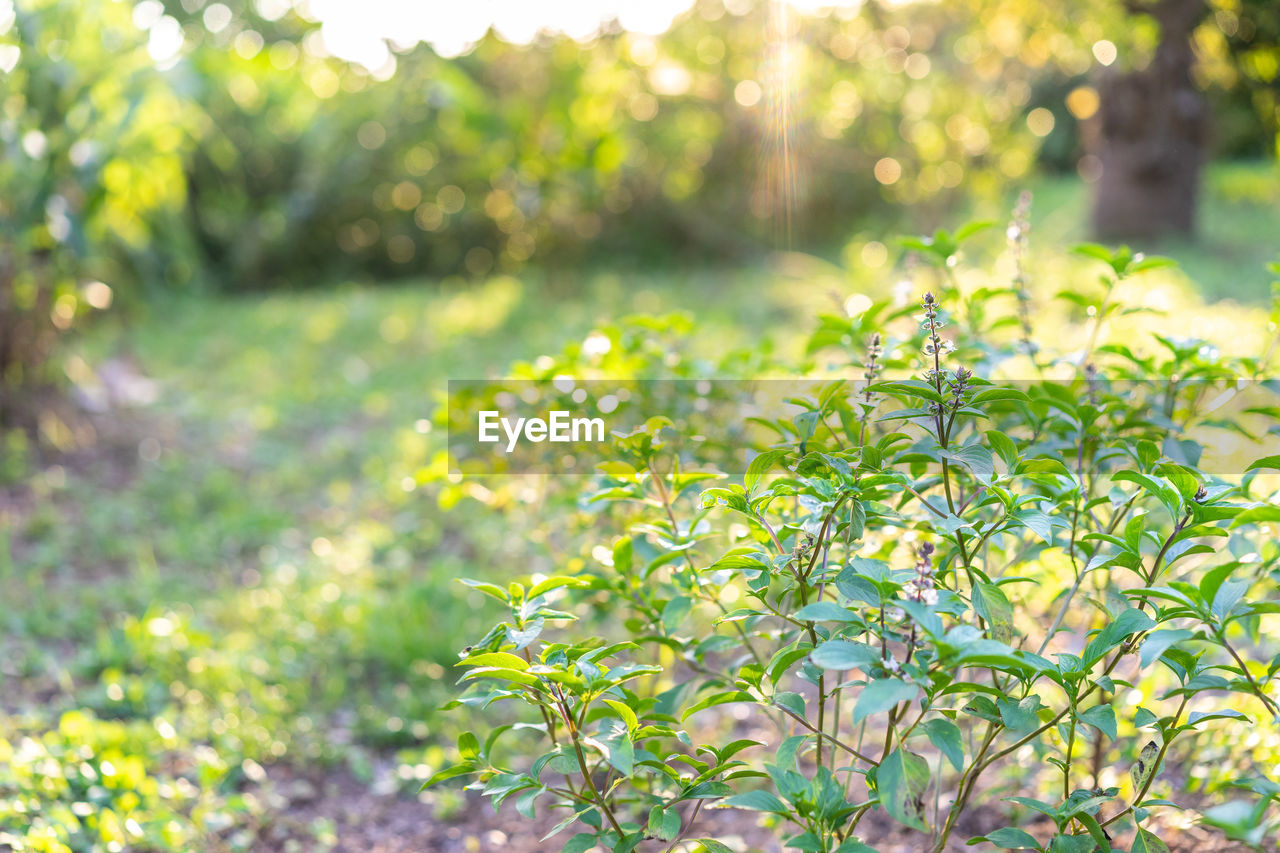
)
(901, 780)
(945, 735)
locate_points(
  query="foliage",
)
(288, 429)
(739, 123)
(559, 150)
(924, 579)
(92, 145)
(735, 125)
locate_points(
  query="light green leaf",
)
(881, 695)
(825, 611)
(844, 654)
(759, 466)
(757, 801)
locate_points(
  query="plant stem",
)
(586, 774)
(1155, 767)
(823, 735)
(1266, 700)
(697, 807)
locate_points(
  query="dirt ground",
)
(363, 820)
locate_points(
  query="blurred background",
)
(243, 244)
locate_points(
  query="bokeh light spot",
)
(1104, 51)
(888, 170)
(1041, 121)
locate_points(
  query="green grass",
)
(275, 581)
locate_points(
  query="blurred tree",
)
(1238, 53)
(1159, 80)
(92, 143)
(748, 125)
(737, 130)
(1154, 132)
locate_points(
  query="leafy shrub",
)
(938, 582)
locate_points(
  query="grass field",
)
(255, 567)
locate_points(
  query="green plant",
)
(926, 583)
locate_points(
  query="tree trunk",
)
(1154, 130)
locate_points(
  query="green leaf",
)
(717, 699)
(1227, 597)
(1158, 642)
(1095, 829)
(990, 395)
(881, 695)
(983, 708)
(1145, 842)
(1035, 805)
(910, 388)
(663, 823)
(1257, 515)
(854, 846)
(1020, 716)
(976, 458)
(844, 654)
(618, 751)
(1072, 844)
(1166, 494)
(499, 660)
(448, 773)
(492, 590)
(706, 791)
(901, 780)
(793, 702)
(805, 842)
(760, 466)
(628, 715)
(502, 674)
(1038, 522)
(825, 611)
(556, 582)
(675, 612)
(580, 843)
(1152, 262)
(1102, 718)
(945, 735)
(623, 554)
(1131, 621)
(629, 843)
(1225, 714)
(1009, 838)
(1004, 446)
(990, 602)
(757, 801)
(713, 846)
(1272, 462)
(967, 230)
